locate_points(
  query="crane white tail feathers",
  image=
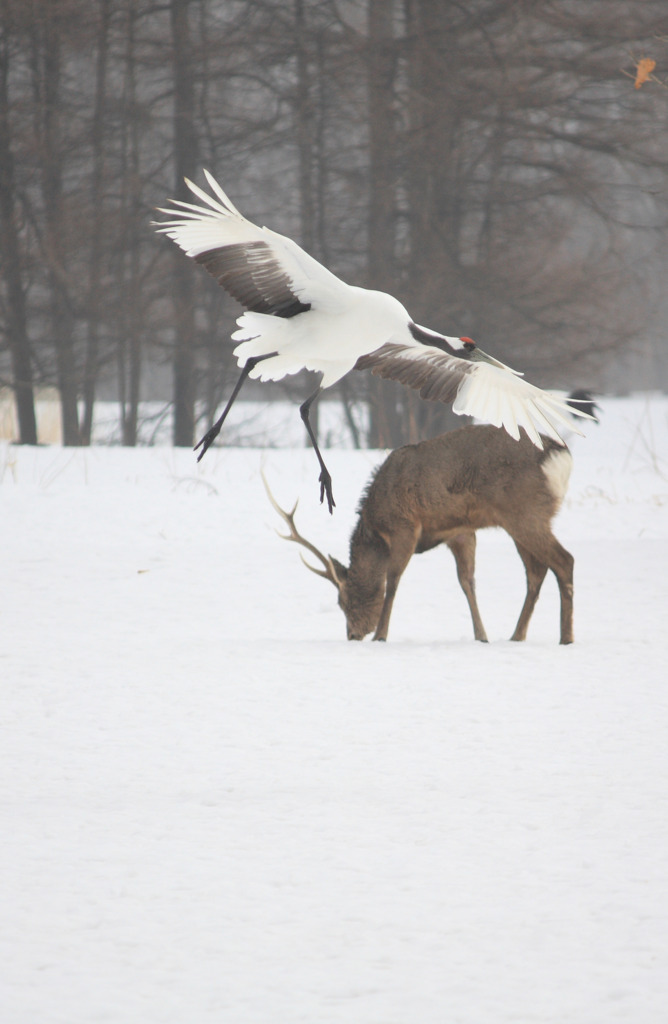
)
(261, 335)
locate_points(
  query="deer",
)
(441, 491)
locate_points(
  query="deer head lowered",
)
(440, 492)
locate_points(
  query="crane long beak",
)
(478, 356)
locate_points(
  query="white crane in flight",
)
(301, 316)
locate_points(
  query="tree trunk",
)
(185, 162)
(97, 211)
(130, 345)
(46, 82)
(305, 134)
(385, 428)
(433, 190)
(16, 318)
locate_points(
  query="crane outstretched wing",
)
(475, 386)
(265, 271)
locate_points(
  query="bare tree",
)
(15, 311)
(185, 165)
(97, 204)
(386, 426)
(46, 60)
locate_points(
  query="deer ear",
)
(341, 570)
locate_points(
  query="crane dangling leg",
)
(324, 478)
(214, 431)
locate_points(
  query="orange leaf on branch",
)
(644, 69)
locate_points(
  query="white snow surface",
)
(216, 809)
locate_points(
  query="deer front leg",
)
(403, 547)
(384, 620)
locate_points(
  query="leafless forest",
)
(491, 163)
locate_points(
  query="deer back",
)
(473, 478)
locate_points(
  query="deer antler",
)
(329, 572)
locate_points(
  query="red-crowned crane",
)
(301, 316)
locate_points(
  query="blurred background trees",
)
(489, 163)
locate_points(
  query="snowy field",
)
(215, 809)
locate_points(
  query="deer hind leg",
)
(536, 572)
(463, 548)
(563, 570)
(540, 554)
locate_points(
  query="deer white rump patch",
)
(557, 469)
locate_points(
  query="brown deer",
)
(440, 492)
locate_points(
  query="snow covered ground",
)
(214, 808)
